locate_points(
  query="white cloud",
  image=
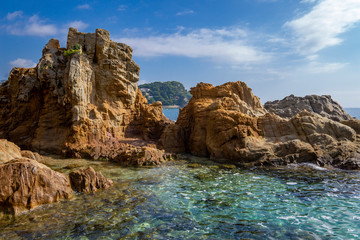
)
(32, 26)
(321, 27)
(319, 67)
(122, 8)
(221, 45)
(14, 15)
(307, 1)
(79, 25)
(84, 6)
(21, 62)
(185, 12)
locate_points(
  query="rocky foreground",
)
(83, 101)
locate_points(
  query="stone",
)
(228, 124)
(139, 156)
(323, 105)
(31, 155)
(87, 180)
(8, 151)
(79, 105)
(26, 184)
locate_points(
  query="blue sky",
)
(278, 47)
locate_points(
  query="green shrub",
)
(76, 48)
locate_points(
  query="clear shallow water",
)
(178, 202)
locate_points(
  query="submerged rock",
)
(26, 184)
(87, 180)
(323, 105)
(229, 124)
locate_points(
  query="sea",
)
(208, 201)
(173, 113)
(195, 198)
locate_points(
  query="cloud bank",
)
(225, 44)
(321, 27)
(21, 62)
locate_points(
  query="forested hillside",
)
(169, 93)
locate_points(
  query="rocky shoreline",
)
(83, 101)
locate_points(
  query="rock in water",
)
(26, 184)
(78, 99)
(139, 156)
(323, 105)
(87, 180)
(229, 123)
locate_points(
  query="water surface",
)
(207, 202)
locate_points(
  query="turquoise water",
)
(354, 112)
(207, 202)
(171, 113)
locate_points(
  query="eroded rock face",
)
(232, 126)
(87, 180)
(26, 184)
(71, 102)
(323, 105)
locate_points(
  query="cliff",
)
(80, 100)
(323, 105)
(228, 123)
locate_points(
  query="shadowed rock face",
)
(323, 105)
(26, 184)
(229, 123)
(69, 104)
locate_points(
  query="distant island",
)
(171, 93)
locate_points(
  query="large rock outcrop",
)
(26, 184)
(78, 99)
(229, 123)
(323, 105)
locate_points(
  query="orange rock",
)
(228, 123)
(26, 184)
(77, 103)
(87, 180)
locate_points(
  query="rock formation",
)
(87, 180)
(139, 156)
(78, 101)
(229, 123)
(9, 151)
(26, 184)
(323, 105)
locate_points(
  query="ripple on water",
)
(176, 202)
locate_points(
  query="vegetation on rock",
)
(169, 93)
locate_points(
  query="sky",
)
(278, 47)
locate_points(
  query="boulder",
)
(8, 151)
(323, 105)
(228, 123)
(26, 184)
(139, 156)
(73, 102)
(87, 180)
(31, 155)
